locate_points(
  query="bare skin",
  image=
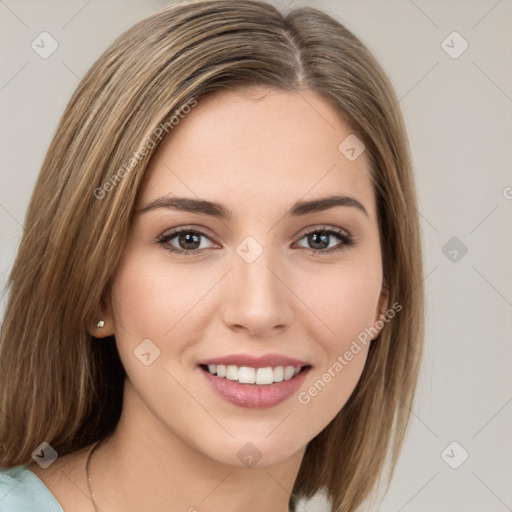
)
(175, 447)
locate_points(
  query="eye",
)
(320, 239)
(188, 241)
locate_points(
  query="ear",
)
(382, 307)
(103, 324)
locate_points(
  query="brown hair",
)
(60, 385)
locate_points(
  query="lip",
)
(262, 361)
(253, 395)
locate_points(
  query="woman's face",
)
(266, 279)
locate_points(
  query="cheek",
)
(344, 300)
(170, 307)
(149, 302)
(345, 307)
(326, 393)
(344, 356)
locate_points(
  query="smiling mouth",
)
(249, 375)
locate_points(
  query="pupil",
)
(315, 237)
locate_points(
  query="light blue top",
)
(22, 491)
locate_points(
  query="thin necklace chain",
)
(91, 451)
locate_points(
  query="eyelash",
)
(347, 240)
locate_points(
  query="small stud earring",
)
(101, 323)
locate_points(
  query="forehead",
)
(256, 147)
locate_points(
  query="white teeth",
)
(264, 376)
(278, 374)
(231, 372)
(248, 375)
(289, 372)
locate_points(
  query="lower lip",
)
(254, 395)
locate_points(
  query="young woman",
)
(217, 303)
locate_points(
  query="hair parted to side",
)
(60, 385)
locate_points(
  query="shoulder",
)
(65, 479)
(22, 491)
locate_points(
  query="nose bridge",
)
(258, 300)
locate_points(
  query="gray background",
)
(458, 113)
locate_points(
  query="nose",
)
(257, 298)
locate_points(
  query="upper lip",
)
(251, 361)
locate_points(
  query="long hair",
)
(58, 383)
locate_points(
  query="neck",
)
(146, 466)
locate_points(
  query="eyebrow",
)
(220, 211)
